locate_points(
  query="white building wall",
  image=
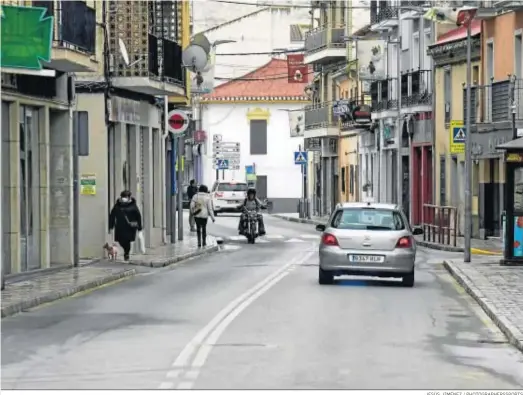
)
(284, 179)
(265, 31)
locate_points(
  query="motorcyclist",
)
(251, 203)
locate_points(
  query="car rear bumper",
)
(221, 206)
(397, 262)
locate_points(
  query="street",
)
(254, 317)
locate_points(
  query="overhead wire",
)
(258, 4)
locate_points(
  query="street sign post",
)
(26, 37)
(458, 135)
(177, 121)
(300, 157)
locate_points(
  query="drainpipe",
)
(399, 156)
(433, 121)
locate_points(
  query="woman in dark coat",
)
(126, 220)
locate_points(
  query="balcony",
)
(383, 98)
(74, 36)
(384, 18)
(148, 76)
(321, 120)
(491, 116)
(416, 91)
(354, 113)
(325, 44)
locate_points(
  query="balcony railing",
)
(421, 92)
(329, 36)
(385, 13)
(383, 95)
(355, 111)
(492, 103)
(75, 24)
(320, 116)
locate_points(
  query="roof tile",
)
(459, 33)
(268, 81)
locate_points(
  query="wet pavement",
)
(255, 317)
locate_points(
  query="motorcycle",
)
(251, 224)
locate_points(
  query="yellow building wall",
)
(442, 130)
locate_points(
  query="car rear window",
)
(231, 187)
(368, 219)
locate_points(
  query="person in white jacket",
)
(201, 208)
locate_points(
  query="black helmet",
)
(251, 190)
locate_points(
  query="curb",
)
(167, 261)
(298, 220)
(18, 307)
(513, 335)
(439, 247)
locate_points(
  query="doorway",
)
(29, 189)
(491, 200)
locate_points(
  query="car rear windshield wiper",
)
(376, 227)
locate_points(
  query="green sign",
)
(26, 37)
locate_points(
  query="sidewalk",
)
(33, 289)
(497, 289)
(479, 247)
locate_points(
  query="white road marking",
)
(166, 386)
(274, 237)
(315, 237)
(294, 241)
(236, 238)
(262, 241)
(201, 345)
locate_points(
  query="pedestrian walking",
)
(192, 190)
(201, 209)
(126, 220)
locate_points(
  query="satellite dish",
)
(195, 58)
(123, 51)
(201, 41)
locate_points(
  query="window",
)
(490, 60)
(343, 176)
(475, 75)
(447, 83)
(258, 137)
(231, 187)
(367, 219)
(351, 179)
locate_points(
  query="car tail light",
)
(218, 194)
(404, 242)
(329, 240)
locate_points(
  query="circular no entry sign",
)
(177, 121)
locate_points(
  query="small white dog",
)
(112, 251)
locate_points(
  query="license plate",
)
(367, 258)
(232, 201)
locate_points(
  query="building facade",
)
(501, 81)
(121, 109)
(38, 102)
(450, 68)
(255, 112)
(402, 96)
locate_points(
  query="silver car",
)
(367, 239)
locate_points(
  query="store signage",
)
(26, 37)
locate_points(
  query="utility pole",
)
(181, 146)
(468, 151)
(172, 221)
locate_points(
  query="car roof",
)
(232, 182)
(386, 206)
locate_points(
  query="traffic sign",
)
(300, 157)
(458, 135)
(222, 164)
(217, 138)
(177, 121)
(21, 26)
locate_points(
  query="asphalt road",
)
(254, 317)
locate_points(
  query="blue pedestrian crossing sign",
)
(300, 157)
(222, 164)
(458, 135)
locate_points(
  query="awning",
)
(516, 144)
